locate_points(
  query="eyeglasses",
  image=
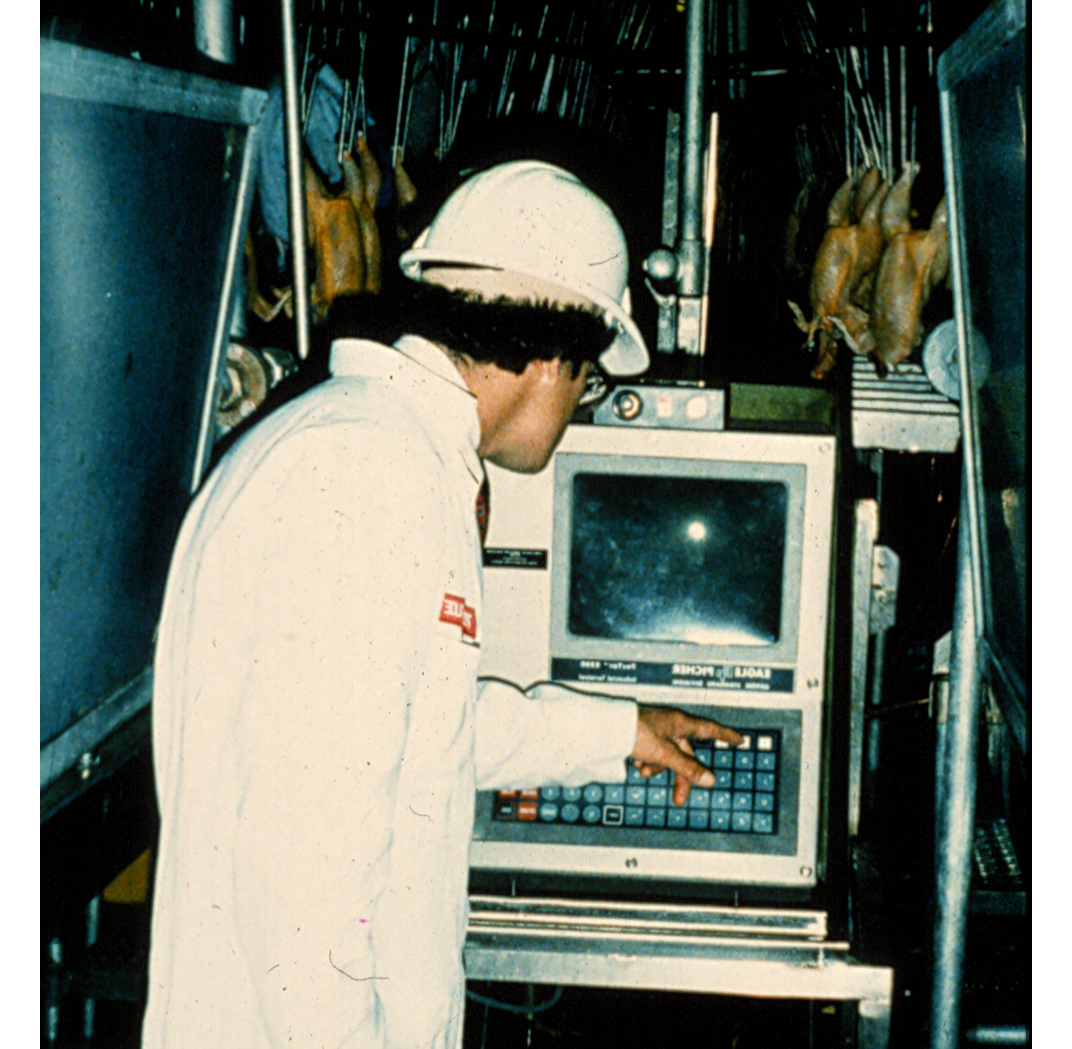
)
(595, 388)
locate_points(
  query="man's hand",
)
(662, 742)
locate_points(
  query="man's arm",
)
(554, 734)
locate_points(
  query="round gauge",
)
(940, 359)
(628, 405)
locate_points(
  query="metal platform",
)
(902, 412)
(752, 952)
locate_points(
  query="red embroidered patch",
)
(456, 611)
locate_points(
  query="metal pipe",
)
(690, 245)
(214, 29)
(956, 777)
(294, 177)
(221, 333)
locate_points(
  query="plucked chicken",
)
(848, 253)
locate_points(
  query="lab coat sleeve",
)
(550, 734)
(339, 634)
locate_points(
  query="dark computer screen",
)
(677, 559)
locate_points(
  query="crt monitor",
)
(683, 567)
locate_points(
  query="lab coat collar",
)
(413, 358)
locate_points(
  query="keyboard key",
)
(613, 815)
(699, 799)
(636, 795)
(526, 810)
(505, 810)
(765, 743)
(723, 759)
(721, 744)
(634, 816)
(744, 781)
(704, 757)
(658, 797)
(549, 812)
(530, 795)
(571, 793)
(592, 813)
(550, 793)
(762, 822)
(656, 818)
(507, 794)
(745, 760)
(697, 819)
(593, 793)
(677, 817)
(721, 799)
(764, 803)
(632, 774)
(742, 821)
(746, 742)
(720, 821)
(765, 781)
(614, 793)
(570, 813)
(766, 762)
(742, 802)
(661, 780)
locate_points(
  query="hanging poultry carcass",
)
(913, 264)
(848, 253)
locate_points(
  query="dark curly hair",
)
(502, 332)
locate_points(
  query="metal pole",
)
(291, 104)
(956, 773)
(690, 249)
(214, 29)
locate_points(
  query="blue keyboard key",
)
(699, 799)
(742, 802)
(676, 817)
(549, 812)
(745, 759)
(697, 819)
(632, 774)
(723, 778)
(742, 821)
(636, 795)
(703, 756)
(550, 793)
(614, 793)
(661, 780)
(658, 796)
(720, 799)
(766, 762)
(593, 793)
(656, 818)
(762, 822)
(723, 759)
(744, 780)
(634, 816)
(764, 803)
(571, 793)
(764, 781)
(592, 813)
(570, 813)
(720, 821)
(613, 815)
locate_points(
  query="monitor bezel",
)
(565, 645)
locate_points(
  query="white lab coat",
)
(318, 735)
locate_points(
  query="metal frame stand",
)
(748, 952)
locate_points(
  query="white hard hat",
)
(542, 230)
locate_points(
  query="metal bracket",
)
(885, 572)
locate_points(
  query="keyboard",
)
(744, 799)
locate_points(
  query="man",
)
(317, 724)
